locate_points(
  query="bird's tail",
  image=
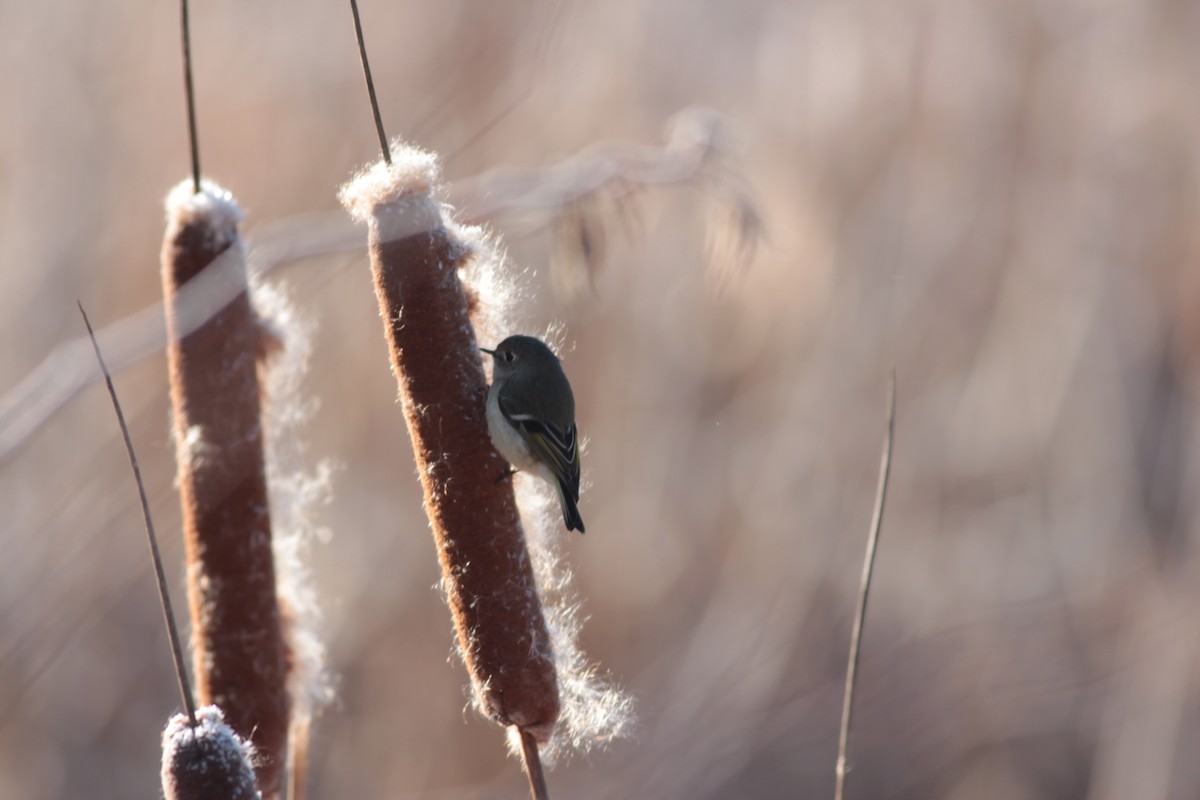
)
(569, 508)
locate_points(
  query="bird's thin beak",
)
(491, 353)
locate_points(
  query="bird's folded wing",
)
(555, 447)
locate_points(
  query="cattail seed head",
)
(207, 762)
(487, 574)
(213, 361)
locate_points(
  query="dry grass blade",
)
(580, 198)
(598, 188)
(860, 614)
(66, 370)
(164, 596)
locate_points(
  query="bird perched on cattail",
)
(531, 417)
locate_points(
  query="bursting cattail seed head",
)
(213, 359)
(416, 259)
(438, 283)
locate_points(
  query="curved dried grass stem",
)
(164, 596)
(860, 614)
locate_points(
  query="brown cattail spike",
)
(489, 581)
(239, 652)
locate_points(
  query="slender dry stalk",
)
(860, 614)
(385, 151)
(486, 569)
(164, 596)
(189, 92)
(240, 657)
(533, 767)
(206, 759)
(298, 760)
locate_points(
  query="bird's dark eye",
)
(508, 355)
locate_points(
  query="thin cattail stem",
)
(190, 93)
(164, 596)
(533, 767)
(241, 659)
(366, 68)
(486, 569)
(860, 614)
(299, 742)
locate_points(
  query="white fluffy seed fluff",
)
(413, 173)
(595, 710)
(297, 489)
(212, 203)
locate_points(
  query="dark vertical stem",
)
(533, 767)
(366, 67)
(860, 614)
(164, 596)
(190, 92)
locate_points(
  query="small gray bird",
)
(531, 417)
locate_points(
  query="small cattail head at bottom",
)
(207, 762)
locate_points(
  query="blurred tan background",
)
(997, 196)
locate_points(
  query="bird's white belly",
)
(506, 439)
